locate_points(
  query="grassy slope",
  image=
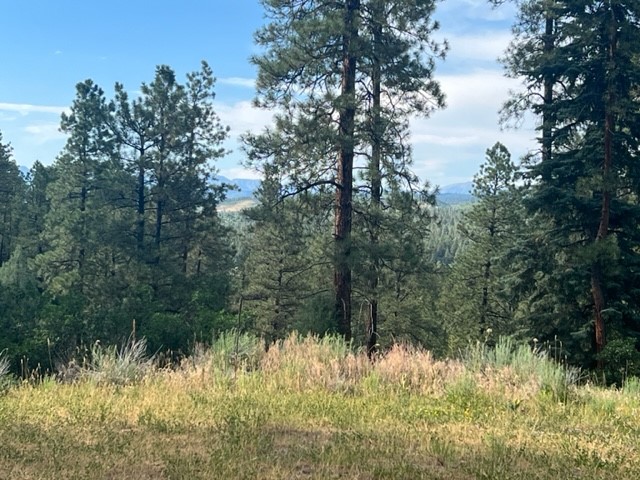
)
(313, 411)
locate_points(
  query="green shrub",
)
(527, 364)
(233, 349)
(5, 366)
(621, 359)
(111, 365)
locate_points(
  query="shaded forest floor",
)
(312, 410)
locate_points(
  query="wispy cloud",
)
(45, 132)
(482, 46)
(25, 108)
(450, 145)
(475, 10)
(238, 82)
(243, 116)
(239, 172)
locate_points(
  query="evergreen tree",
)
(587, 186)
(283, 259)
(309, 71)
(326, 67)
(11, 196)
(74, 224)
(397, 72)
(475, 298)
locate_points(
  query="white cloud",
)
(239, 172)
(45, 132)
(482, 46)
(4, 117)
(25, 108)
(238, 82)
(243, 116)
(454, 140)
(476, 10)
(477, 89)
(450, 146)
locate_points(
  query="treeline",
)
(121, 229)
(124, 227)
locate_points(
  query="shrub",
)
(526, 364)
(111, 365)
(235, 350)
(5, 367)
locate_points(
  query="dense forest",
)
(122, 233)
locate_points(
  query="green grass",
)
(312, 409)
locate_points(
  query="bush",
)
(621, 359)
(237, 350)
(112, 365)
(526, 364)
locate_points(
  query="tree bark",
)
(344, 194)
(547, 121)
(376, 189)
(599, 301)
(141, 204)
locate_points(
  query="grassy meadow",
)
(310, 408)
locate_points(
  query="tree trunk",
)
(599, 301)
(159, 215)
(84, 192)
(344, 193)
(141, 204)
(547, 121)
(376, 190)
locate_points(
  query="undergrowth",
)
(315, 408)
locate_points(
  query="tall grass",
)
(311, 407)
(5, 366)
(111, 365)
(523, 364)
(235, 350)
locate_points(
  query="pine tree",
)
(475, 297)
(325, 67)
(73, 224)
(587, 185)
(11, 193)
(282, 260)
(397, 72)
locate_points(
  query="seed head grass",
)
(315, 408)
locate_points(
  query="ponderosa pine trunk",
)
(597, 291)
(376, 189)
(344, 192)
(547, 121)
(141, 204)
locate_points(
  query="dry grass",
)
(311, 408)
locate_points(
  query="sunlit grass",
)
(312, 408)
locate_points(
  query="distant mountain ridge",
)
(247, 187)
(456, 193)
(452, 194)
(464, 188)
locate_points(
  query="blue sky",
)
(49, 46)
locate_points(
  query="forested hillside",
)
(122, 233)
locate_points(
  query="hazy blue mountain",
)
(456, 193)
(449, 194)
(464, 188)
(246, 187)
